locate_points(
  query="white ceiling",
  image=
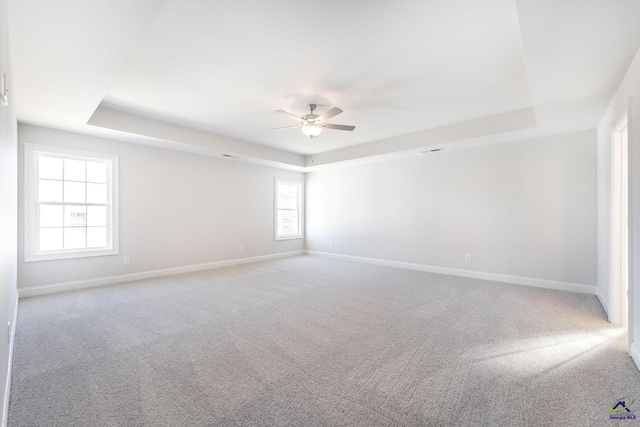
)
(206, 76)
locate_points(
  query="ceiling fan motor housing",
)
(310, 118)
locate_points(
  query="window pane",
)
(50, 167)
(287, 196)
(50, 239)
(96, 193)
(49, 191)
(74, 192)
(96, 172)
(96, 237)
(283, 229)
(75, 216)
(51, 216)
(287, 222)
(75, 238)
(282, 189)
(74, 170)
(287, 229)
(96, 216)
(287, 203)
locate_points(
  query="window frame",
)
(31, 203)
(300, 210)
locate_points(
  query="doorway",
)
(619, 221)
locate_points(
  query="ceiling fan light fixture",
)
(312, 124)
(311, 130)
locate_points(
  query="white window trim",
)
(300, 185)
(31, 229)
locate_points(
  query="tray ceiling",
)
(207, 76)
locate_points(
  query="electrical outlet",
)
(126, 260)
(467, 258)
(240, 248)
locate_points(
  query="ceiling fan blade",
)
(289, 114)
(288, 127)
(338, 127)
(328, 114)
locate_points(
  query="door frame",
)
(619, 221)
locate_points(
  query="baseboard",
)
(7, 386)
(110, 280)
(604, 305)
(515, 280)
(634, 352)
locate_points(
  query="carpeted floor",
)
(311, 341)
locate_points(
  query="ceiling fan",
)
(312, 124)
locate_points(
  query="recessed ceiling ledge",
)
(485, 126)
(191, 139)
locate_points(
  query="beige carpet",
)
(311, 341)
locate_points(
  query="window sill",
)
(69, 255)
(289, 238)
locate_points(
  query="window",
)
(71, 203)
(288, 209)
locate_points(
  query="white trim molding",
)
(495, 277)
(603, 303)
(299, 185)
(634, 352)
(111, 280)
(7, 386)
(33, 155)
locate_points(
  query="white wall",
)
(176, 210)
(8, 212)
(525, 209)
(630, 87)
